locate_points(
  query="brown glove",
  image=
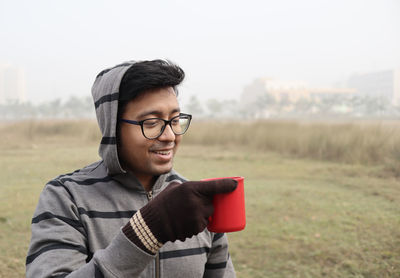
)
(178, 212)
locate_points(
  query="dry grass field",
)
(322, 199)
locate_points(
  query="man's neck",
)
(147, 182)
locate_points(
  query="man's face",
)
(143, 157)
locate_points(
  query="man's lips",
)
(162, 149)
(163, 152)
(163, 156)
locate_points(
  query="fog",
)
(222, 45)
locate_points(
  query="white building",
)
(12, 84)
(382, 84)
(291, 91)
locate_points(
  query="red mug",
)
(229, 209)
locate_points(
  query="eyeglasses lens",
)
(153, 128)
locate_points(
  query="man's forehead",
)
(157, 103)
(158, 112)
(156, 95)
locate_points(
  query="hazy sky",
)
(221, 45)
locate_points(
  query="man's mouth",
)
(162, 152)
(162, 149)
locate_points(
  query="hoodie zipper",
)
(149, 195)
(157, 259)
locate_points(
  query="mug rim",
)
(238, 178)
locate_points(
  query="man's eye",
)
(150, 123)
(175, 121)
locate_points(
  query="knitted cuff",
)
(139, 233)
(155, 217)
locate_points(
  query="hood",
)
(105, 92)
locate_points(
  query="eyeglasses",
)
(153, 128)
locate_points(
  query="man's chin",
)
(163, 170)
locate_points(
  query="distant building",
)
(362, 94)
(267, 97)
(12, 84)
(381, 84)
(290, 91)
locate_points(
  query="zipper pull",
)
(150, 195)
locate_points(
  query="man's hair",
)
(149, 75)
(146, 76)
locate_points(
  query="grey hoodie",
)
(76, 228)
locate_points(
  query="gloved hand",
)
(178, 212)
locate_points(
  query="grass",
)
(306, 217)
(349, 142)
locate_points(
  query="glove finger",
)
(213, 187)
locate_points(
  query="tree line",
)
(264, 106)
(73, 107)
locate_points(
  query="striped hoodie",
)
(76, 227)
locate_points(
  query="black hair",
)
(149, 75)
(145, 76)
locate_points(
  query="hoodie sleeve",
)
(58, 245)
(219, 263)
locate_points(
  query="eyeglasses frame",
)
(166, 122)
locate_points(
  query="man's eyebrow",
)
(157, 113)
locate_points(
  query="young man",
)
(131, 214)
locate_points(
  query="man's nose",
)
(167, 135)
